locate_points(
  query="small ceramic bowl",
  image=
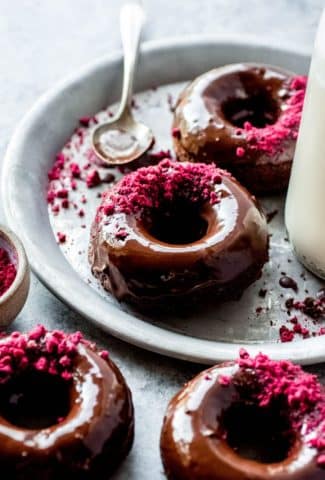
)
(13, 300)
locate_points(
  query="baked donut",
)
(65, 409)
(174, 231)
(244, 117)
(250, 419)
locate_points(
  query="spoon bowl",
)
(121, 140)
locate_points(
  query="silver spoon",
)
(122, 139)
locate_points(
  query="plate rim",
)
(192, 349)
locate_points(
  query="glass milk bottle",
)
(305, 204)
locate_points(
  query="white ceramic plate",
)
(207, 337)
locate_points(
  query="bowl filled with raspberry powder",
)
(14, 276)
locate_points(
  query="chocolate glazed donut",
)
(219, 250)
(244, 117)
(193, 448)
(88, 443)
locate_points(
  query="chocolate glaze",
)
(192, 448)
(89, 443)
(143, 270)
(207, 134)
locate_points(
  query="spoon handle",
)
(131, 21)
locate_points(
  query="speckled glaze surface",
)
(26, 44)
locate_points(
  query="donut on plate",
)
(65, 409)
(174, 231)
(253, 419)
(244, 117)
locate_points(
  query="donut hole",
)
(256, 107)
(260, 434)
(180, 225)
(35, 400)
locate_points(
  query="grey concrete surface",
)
(43, 40)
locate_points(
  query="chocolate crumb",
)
(262, 293)
(170, 103)
(288, 282)
(108, 178)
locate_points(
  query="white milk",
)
(305, 205)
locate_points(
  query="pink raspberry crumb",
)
(61, 237)
(240, 151)
(8, 271)
(104, 354)
(86, 121)
(224, 380)
(93, 179)
(146, 188)
(271, 138)
(286, 335)
(62, 193)
(40, 350)
(75, 170)
(176, 133)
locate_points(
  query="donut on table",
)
(65, 409)
(244, 117)
(253, 419)
(176, 231)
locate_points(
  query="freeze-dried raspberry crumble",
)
(301, 395)
(51, 352)
(160, 186)
(270, 138)
(7, 271)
